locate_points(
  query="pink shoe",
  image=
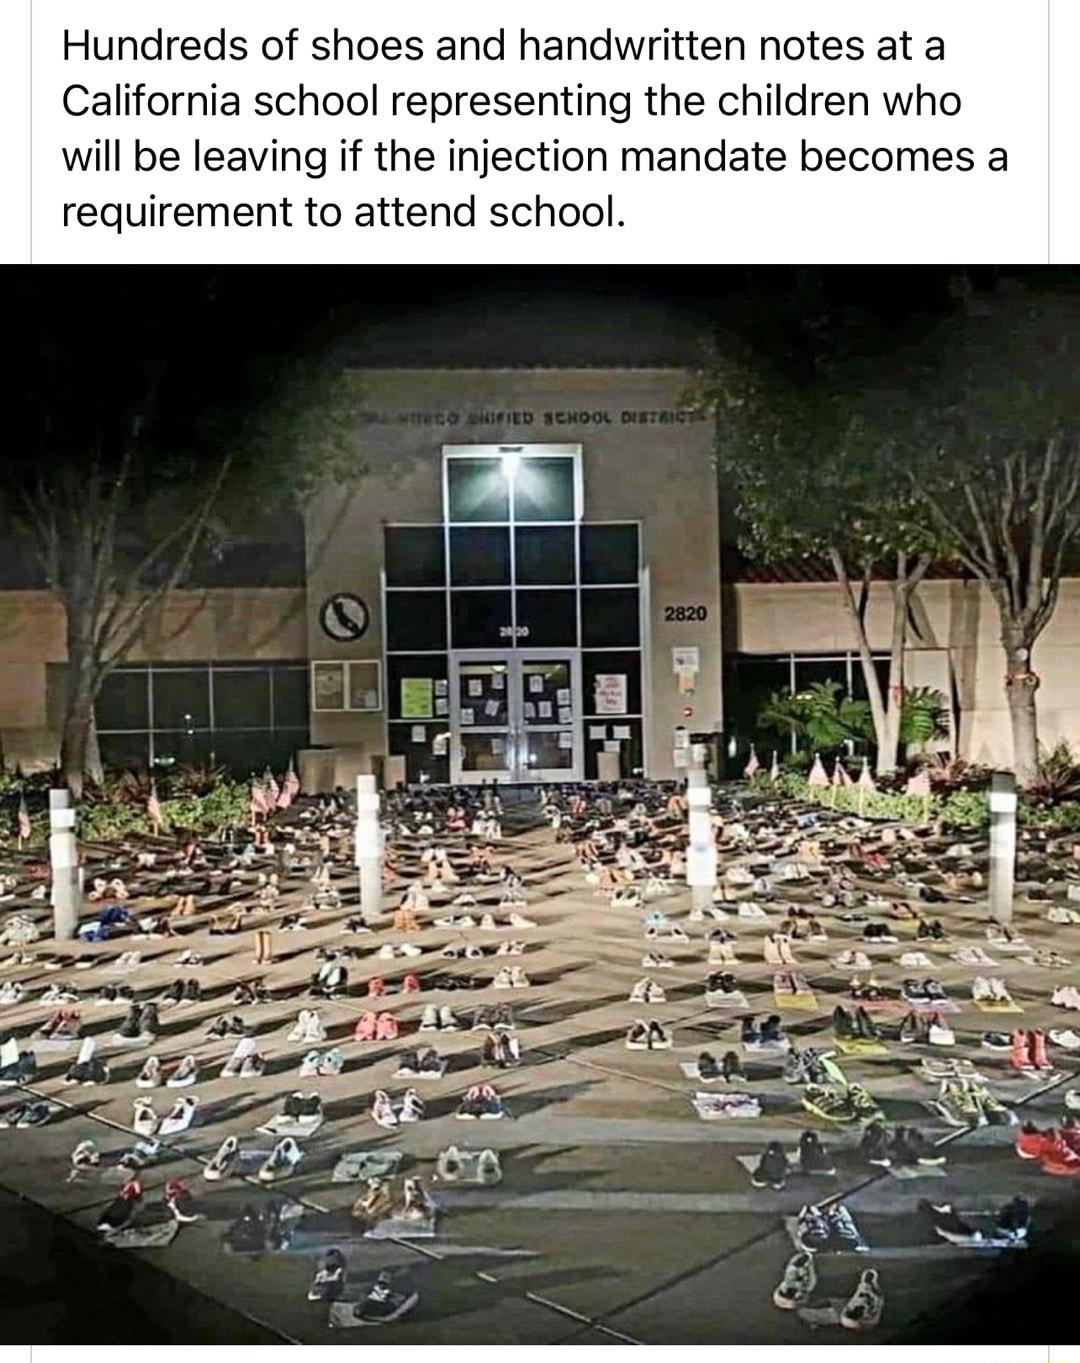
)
(386, 1027)
(366, 1027)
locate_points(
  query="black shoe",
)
(875, 1145)
(383, 1304)
(772, 1029)
(130, 1028)
(864, 1025)
(192, 991)
(329, 1281)
(731, 1067)
(148, 1020)
(707, 1067)
(750, 1033)
(772, 1168)
(948, 1225)
(174, 993)
(1014, 1219)
(813, 1157)
(911, 1147)
(841, 1022)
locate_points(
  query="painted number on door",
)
(681, 613)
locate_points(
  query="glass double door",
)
(514, 716)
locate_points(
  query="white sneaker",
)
(940, 1033)
(915, 960)
(1068, 1040)
(503, 980)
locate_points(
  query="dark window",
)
(415, 621)
(609, 618)
(627, 664)
(477, 490)
(290, 698)
(241, 699)
(420, 761)
(480, 619)
(809, 671)
(549, 617)
(415, 556)
(748, 683)
(125, 752)
(544, 555)
(480, 557)
(180, 748)
(631, 758)
(858, 681)
(403, 665)
(609, 553)
(181, 699)
(544, 490)
(124, 702)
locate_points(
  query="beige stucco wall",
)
(658, 474)
(218, 625)
(958, 625)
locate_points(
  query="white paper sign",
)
(442, 688)
(467, 716)
(566, 740)
(544, 709)
(476, 686)
(610, 693)
(536, 683)
(491, 708)
(498, 681)
(563, 695)
(566, 715)
(419, 733)
(612, 745)
(598, 732)
(498, 745)
(442, 706)
(686, 659)
(621, 731)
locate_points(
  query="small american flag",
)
(257, 804)
(290, 788)
(23, 819)
(153, 808)
(866, 781)
(753, 765)
(919, 784)
(270, 788)
(818, 775)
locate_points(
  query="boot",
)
(1019, 1057)
(1037, 1051)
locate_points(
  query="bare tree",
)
(138, 454)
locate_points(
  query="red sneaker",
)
(386, 1027)
(1037, 1050)
(376, 988)
(366, 1027)
(1070, 1136)
(1034, 1144)
(1061, 1159)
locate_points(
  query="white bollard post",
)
(1002, 845)
(368, 848)
(701, 854)
(66, 896)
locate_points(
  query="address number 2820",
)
(681, 613)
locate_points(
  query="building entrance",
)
(514, 716)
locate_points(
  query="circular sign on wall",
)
(344, 617)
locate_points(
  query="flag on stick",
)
(290, 788)
(818, 775)
(753, 765)
(23, 821)
(774, 770)
(153, 808)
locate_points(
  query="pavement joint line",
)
(557, 1306)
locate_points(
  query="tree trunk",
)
(78, 747)
(1021, 684)
(866, 657)
(887, 750)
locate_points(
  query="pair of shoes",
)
(384, 1113)
(376, 1027)
(647, 991)
(450, 1167)
(904, 1147)
(481, 1101)
(1009, 1227)
(322, 1065)
(647, 1036)
(425, 1064)
(308, 1028)
(511, 977)
(502, 1049)
(1028, 1051)
(1058, 1151)
(729, 1068)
